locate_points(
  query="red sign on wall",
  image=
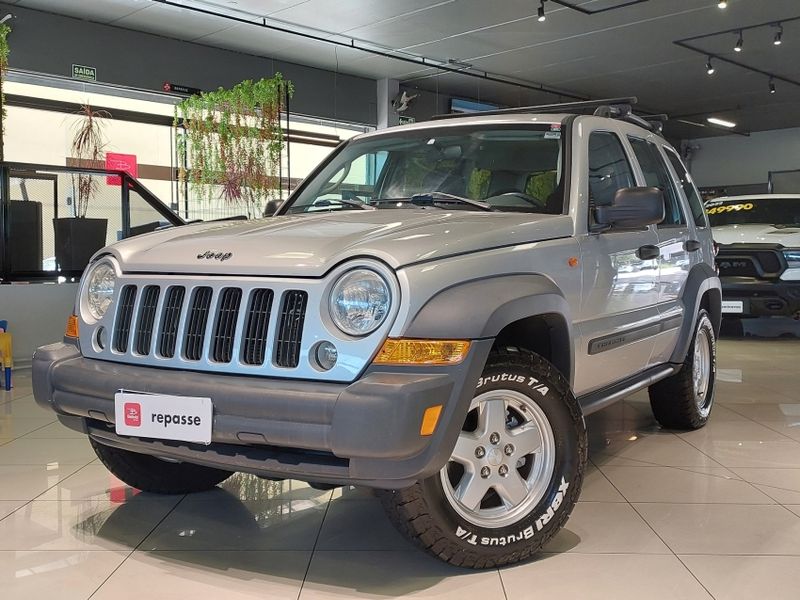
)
(120, 162)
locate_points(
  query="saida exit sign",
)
(83, 72)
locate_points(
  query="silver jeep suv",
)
(431, 314)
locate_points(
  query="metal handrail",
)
(127, 183)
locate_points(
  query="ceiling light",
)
(778, 36)
(739, 43)
(723, 4)
(542, 16)
(772, 88)
(709, 67)
(721, 122)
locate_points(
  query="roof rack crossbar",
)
(558, 107)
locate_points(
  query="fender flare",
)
(482, 308)
(702, 278)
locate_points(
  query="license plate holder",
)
(735, 307)
(163, 416)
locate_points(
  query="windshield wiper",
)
(344, 201)
(433, 199)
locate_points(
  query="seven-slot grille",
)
(196, 323)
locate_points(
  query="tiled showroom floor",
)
(713, 513)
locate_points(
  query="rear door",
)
(674, 235)
(620, 289)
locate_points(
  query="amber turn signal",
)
(72, 327)
(422, 352)
(430, 419)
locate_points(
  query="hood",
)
(310, 245)
(757, 233)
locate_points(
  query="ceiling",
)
(630, 51)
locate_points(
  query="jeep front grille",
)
(218, 325)
(290, 334)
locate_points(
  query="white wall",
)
(36, 314)
(739, 160)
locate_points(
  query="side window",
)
(609, 169)
(656, 174)
(695, 203)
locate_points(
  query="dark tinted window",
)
(689, 190)
(609, 169)
(657, 175)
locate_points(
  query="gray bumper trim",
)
(366, 432)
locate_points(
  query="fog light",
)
(326, 356)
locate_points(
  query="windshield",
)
(504, 168)
(769, 211)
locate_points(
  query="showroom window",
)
(695, 203)
(657, 175)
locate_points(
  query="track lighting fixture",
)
(739, 43)
(772, 88)
(723, 3)
(542, 16)
(710, 67)
(778, 40)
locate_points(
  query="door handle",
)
(648, 252)
(692, 245)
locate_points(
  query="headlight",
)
(793, 258)
(359, 302)
(100, 288)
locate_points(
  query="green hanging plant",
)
(230, 142)
(4, 52)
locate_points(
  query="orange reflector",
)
(72, 327)
(422, 352)
(430, 419)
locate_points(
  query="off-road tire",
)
(674, 400)
(424, 514)
(151, 474)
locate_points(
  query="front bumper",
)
(761, 298)
(363, 433)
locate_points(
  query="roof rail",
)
(564, 107)
(613, 108)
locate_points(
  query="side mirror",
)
(632, 208)
(271, 207)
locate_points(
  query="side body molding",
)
(702, 278)
(482, 308)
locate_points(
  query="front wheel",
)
(515, 473)
(684, 400)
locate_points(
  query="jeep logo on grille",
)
(214, 255)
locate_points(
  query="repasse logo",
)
(133, 414)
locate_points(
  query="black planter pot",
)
(76, 241)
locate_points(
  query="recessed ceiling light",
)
(723, 4)
(721, 122)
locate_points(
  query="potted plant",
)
(230, 142)
(78, 237)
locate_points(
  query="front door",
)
(620, 283)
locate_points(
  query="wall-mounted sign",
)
(177, 88)
(120, 162)
(407, 120)
(83, 72)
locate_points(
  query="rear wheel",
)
(515, 473)
(151, 474)
(684, 400)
